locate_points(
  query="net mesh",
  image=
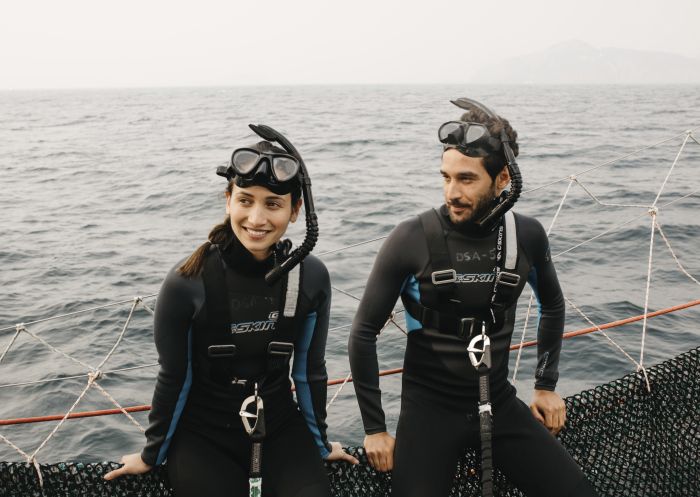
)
(628, 440)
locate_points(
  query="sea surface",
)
(103, 191)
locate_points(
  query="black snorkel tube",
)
(267, 133)
(505, 201)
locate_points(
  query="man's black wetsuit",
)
(439, 395)
(194, 422)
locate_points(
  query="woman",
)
(224, 338)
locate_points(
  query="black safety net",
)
(629, 442)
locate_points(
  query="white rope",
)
(345, 293)
(673, 254)
(91, 380)
(83, 311)
(599, 235)
(351, 246)
(653, 212)
(522, 339)
(62, 378)
(675, 161)
(145, 306)
(607, 163)
(338, 390)
(600, 330)
(607, 204)
(391, 319)
(118, 406)
(19, 327)
(22, 453)
(54, 349)
(532, 295)
(121, 335)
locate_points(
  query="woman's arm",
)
(309, 369)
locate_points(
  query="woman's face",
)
(259, 218)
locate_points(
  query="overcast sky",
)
(92, 43)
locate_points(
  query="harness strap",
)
(461, 327)
(479, 350)
(444, 276)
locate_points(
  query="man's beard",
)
(483, 206)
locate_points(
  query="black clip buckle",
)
(444, 277)
(218, 351)
(507, 279)
(466, 328)
(284, 349)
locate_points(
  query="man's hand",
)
(380, 451)
(338, 454)
(549, 409)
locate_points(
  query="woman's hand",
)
(549, 409)
(338, 454)
(133, 465)
(380, 451)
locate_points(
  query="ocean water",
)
(104, 190)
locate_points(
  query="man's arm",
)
(391, 268)
(545, 284)
(547, 406)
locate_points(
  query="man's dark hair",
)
(494, 163)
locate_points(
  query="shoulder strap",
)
(215, 288)
(444, 275)
(511, 242)
(291, 297)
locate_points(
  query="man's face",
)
(469, 190)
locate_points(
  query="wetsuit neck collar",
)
(240, 259)
(468, 228)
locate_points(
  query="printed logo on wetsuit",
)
(476, 255)
(253, 326)
(475, 278)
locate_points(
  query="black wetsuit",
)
(194, 421)
(439, 395)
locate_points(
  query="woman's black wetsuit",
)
(439, 397)
(194, 421)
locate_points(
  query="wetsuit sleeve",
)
(545, 284)
(178, 301)
(391, 268)
(309, 368)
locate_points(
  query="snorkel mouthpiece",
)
(504, 202)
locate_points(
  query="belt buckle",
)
(444, 277)
(508, 279)
(464, 325)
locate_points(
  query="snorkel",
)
(506, 200)
(298, 254)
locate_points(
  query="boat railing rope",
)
(95, 374)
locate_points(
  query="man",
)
(459, 271)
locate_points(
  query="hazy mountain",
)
(576, 62)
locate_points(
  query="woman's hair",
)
(220, 234)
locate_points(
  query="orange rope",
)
(570, 334)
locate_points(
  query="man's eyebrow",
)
(462, 175)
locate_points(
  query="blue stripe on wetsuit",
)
(532, 280)
(301, 381)
(180, 405)
(412, 290)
